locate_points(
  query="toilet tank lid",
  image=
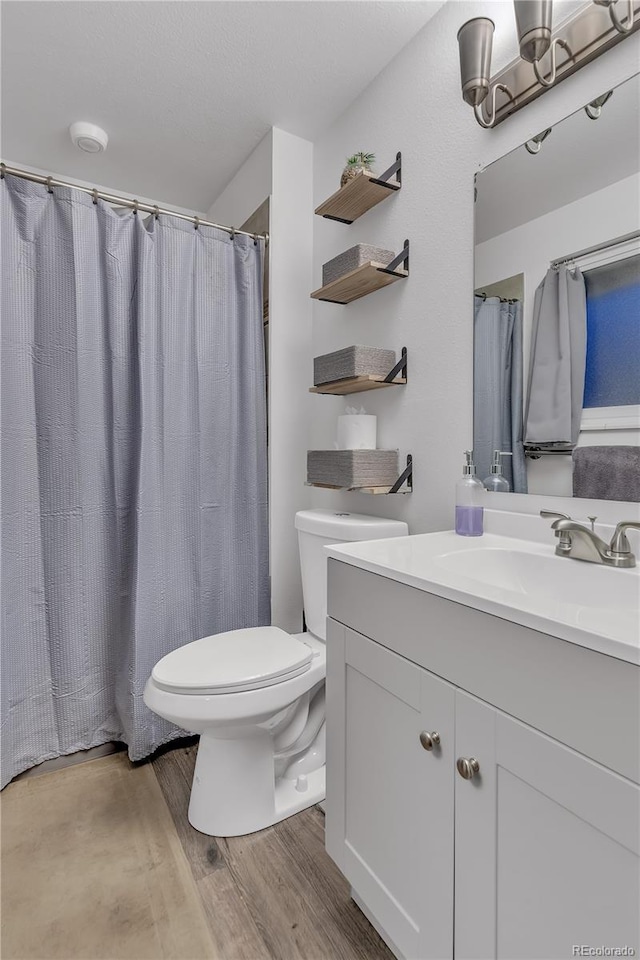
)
(346, 526)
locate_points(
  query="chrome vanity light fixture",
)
(594, 28)
(533, 22)
(611, 5)
(533, 146)
(475, 43)
(594, 109)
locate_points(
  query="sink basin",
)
(519, 580)
(536, 575)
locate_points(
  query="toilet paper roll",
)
(357, 432)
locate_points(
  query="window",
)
(612, 378)
(613, 334)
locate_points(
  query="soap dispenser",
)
(496, 481)
(469, 496)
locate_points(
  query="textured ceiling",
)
(184, 89)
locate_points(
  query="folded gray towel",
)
(607, 473)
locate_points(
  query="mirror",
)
(557, 307)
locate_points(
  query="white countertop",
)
(521, 580)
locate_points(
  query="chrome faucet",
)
(577, 541)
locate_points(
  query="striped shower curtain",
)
(497, 388)
(134, 465)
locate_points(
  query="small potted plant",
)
(355, 165)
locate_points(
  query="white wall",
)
(529, 249)
(250, 186)
(281, 167)
(415, 106)
(291, 258)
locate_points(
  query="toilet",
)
(256, 697)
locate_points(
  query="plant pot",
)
(350, 172)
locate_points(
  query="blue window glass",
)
(613, 334)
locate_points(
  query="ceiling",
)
(185, 89)
(578, 157)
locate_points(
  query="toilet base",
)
(234, 793)
(291, 799)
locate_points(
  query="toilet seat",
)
(233, 662)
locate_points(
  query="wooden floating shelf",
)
(403, 485)
(340, 388)
(358, 283)
(356, 197)
(372, 490)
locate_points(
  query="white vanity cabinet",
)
(547, 844)
(391, 790)
(538, 850)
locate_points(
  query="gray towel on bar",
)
(557, 362)
(607, 473)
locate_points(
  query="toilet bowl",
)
(256, 697)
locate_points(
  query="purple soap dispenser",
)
(469, 497)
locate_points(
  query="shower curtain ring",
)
(94, 194)
(255, 239)
(196, 222)
(136, 204)
(156, 212)
(232, 234)
(3, 167)
(49, 185)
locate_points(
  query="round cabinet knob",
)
(430, 740)
(468, 767)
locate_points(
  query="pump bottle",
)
(496, 481)
(469, 496)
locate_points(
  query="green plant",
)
(361, 159)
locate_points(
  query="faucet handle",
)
(619, 542)
(554, 515)
(564, 537)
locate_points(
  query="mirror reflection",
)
(557, 308)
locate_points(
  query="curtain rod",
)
(596, 248)
(135, 205)
(483, 296)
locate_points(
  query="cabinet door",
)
(547, 850)
(390, 800)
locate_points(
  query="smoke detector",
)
(88, 137)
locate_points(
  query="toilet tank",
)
(318, 528)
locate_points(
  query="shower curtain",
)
(497, 388)
(134, 465)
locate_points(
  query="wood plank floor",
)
(273, 895)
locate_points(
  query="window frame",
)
(609, 418)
